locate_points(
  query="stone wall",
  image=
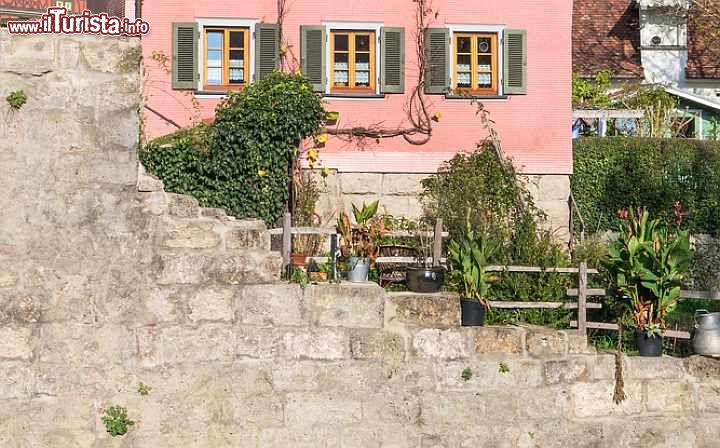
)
(400, 195)
(106, 282)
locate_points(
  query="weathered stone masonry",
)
(103, 286)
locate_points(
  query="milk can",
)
(706, 338)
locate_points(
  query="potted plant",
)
(469, 257)
(424, 277)
(306, 194)
(358, 240)
(647, 266)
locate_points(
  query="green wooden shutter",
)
(515, 58)
(437, 60)
(392, 60)
(312, 55)
(185, 56)
(267, 49)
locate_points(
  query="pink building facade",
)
(514, 56)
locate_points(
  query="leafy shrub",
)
(240, 163)
(116, 421)
(617, 172)
(489, 189)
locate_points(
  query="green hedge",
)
(618, 172)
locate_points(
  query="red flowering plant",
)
(647, 266)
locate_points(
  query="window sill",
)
(354, 95)
(475, 97)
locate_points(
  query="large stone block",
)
(319, 343)
(15, 382)
(669, 397)
(544, 342)
(360, 183)
(248, 267)
(212, 303)
(185, 344)
(489, 375)
(443, 344)
(250, 233)
(183, 206)
(377, 345)
(403, 184)
(402, 408)
(567, 370)
(345, 305)
(191, 234)
(28, 55)
(441, 411)
(176, 268)
(423, 310)
(273, 304)
(666, 367)
(85, 345)
(708, 397)
(307, 409)
(303, 437)
(499, 340)
(254, 342)
(596, 399)
(16, 343)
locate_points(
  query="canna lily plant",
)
(469, 257)
(647, 266)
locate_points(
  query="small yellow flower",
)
(436, 116)
(284, 49)
(311, 164)
(312, 154)
(325, 171)
(262, 173)
(297, 72)
(321, 138)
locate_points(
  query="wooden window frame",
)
(351, 52)
(494, 70)
(226, 86)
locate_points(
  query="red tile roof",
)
(606, 36)
(704, 41)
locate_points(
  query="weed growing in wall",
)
(16, 99)
(116, 421)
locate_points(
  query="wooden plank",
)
(608, 113)
(605, 326)
(704, 295)
(540, 305)
(332, 231)
(286, 240)
(536, 269)
(437, 242)
(590, 292)
(582, 299)
(404, 260)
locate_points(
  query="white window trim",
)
(460, 28)
(211, 23)
(359, 26)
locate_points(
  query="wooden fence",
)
(582, 292)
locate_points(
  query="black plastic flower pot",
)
(422, 279)
(648, 345)
(472, 313)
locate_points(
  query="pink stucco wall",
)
(535, 128)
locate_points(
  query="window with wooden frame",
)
(226, 59)
(476, 63)
(352, 61)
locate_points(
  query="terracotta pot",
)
(299, 259)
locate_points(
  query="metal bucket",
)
(358, 270)
(706, 337)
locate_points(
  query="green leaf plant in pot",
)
(469, 257)
(359, 240)
(647, 266)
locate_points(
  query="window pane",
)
(362, 61)
(341, 61)
(463, 62)
(362, 79)
(463, 45)
(484, 63)
(215, 40)
(237, 39)
(214, 58)
(214, 76)
(341, 42)
(236, 58)
(484, 80)
(362, 43)
(340, 78)
(463, 80)
(237, 75)
(484, 45)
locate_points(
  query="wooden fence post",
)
(333, 256)
(582, 299)
(286, 242)
(437, 242)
